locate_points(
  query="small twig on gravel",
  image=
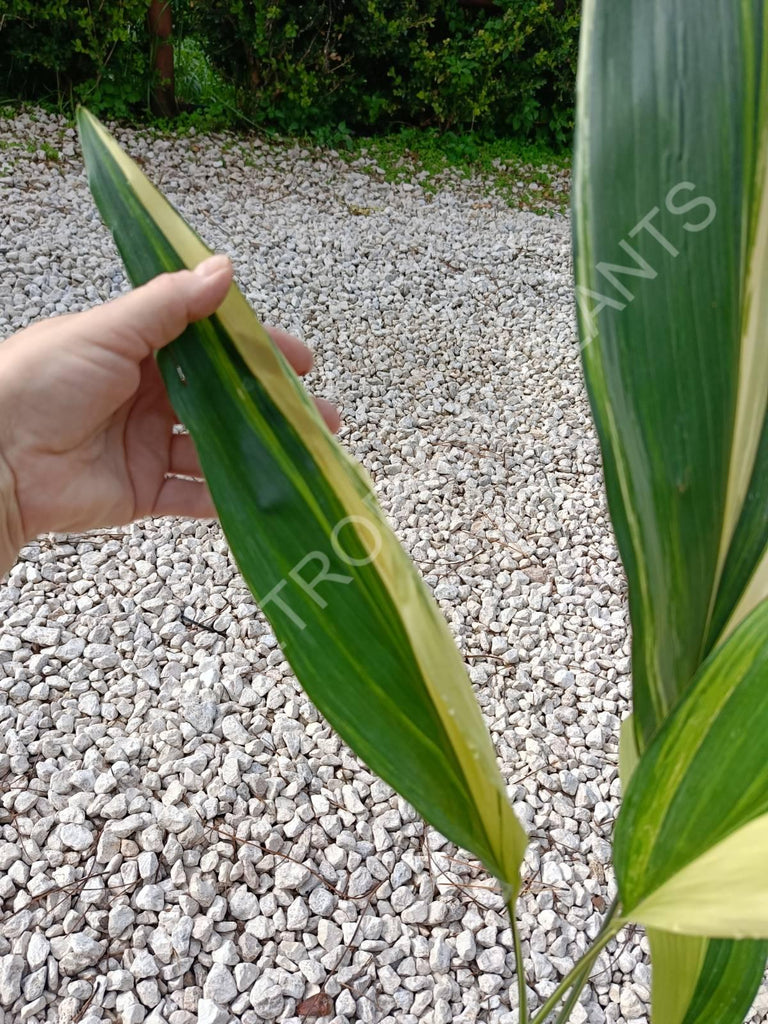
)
(194, 624)
(81, 1012)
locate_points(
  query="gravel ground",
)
(182, 837)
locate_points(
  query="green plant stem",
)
(581, 978)
(580, 973)
(522, 1000)
(578, 985)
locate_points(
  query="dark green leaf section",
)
(705, 774)
(329, 608)
(730, 977)
(386, 719)
(665, 161)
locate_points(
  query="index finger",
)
(297, 354)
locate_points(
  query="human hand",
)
(86, 427)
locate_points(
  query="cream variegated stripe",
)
(677, 961)
(441, 666)
(755, 592)
(628, 752)
(752, 401)
(753, 363)
(723, 893)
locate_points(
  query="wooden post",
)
(160, 26)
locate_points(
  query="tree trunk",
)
(163, 92)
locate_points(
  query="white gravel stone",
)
(243, 904)
(289, 875)
(121, 917)
(551, 873)
(233, 729)
(181, 935)
(440, 956)
(630, 1005)
(119, 981)
(129, 1009)
(416, 913)
(491, 960)
(226, 954)
(144, 965)
(34, 986)
(37, 951)
(267, 999)
(10, 854)
(245, 976)
(150, 897)
(11, 970)
(148, 992)
(81, 951)
(329, 935)
(174, 819)
(465, 946)
(117, 807)
(76, 837)
(208, 1012)
(321, 902)
(42, 636)
(297, 915)
(220, 985)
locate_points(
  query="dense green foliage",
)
(375, 63)
(66, 50)
(309, 65)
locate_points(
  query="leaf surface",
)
(359, 627)
(691, 841)
(670, 244)
(671, 259)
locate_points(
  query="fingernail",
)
(212, 265)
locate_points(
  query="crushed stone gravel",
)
(182, 837)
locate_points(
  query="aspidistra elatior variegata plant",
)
(671, 259)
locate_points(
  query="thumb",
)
(155, 314)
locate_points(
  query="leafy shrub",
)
(377, 63)
(62, 49)
(311, 65)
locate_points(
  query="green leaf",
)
(730, 976)
(671, 256)
(703, 981)
(696, 980)
(361, 631)
(691, 841)
(670, 233)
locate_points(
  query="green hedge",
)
(373, 64)
(58, 50)
(301, 65)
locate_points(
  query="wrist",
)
(11, 531)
